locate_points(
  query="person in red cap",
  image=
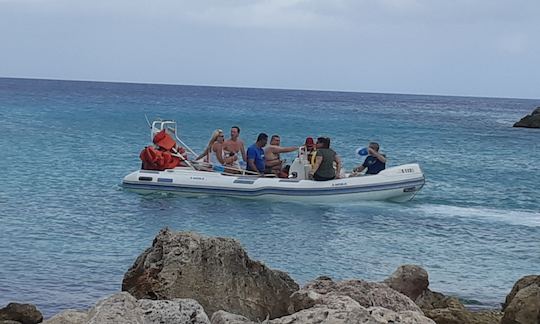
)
(311, 150)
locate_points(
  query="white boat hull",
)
(400, 183)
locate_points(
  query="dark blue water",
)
(68, 232)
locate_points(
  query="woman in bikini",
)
(213, 153)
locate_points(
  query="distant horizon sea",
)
(69, 231)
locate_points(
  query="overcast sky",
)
(457, 47)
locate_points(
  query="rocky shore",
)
(185, 277)
(530, 121)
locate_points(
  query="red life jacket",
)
(153, 159)
(164, 140)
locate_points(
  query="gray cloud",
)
(460, 47)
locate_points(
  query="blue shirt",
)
(257, 154)
(373, 165)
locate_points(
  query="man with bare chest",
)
(235, 146)
(273, 162)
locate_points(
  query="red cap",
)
(309, 142)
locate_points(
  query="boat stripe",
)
(244, 181)
(273, 190)
(148, 171)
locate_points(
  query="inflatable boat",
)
(399, 183)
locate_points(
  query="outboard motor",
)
(300, 167)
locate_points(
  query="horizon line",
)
(261, 88)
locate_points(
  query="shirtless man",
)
(273, 163)
(235, 145)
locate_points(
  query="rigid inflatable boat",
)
(399, 183)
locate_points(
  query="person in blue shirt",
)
(255, 154)
(375, 162)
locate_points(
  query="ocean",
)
(69, 232)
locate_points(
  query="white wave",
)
(515, 217)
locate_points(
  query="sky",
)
(487, 48)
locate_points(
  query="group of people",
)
(261, 158)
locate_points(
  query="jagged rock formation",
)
(522, 304)
(215, 271)
(530, 121)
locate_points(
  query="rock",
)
(124, 308)
(223, 317)
(387, 316)
(524, 306)
(530, 121)
(216, 272)
(410, 280)
(453, 315)
(367, 294)
(335, 308)
(173, 311)
(23, 313)
(433, 300)
(69, 316)
(118, 308)
(520, 284)
(449, 310)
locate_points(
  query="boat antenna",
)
(147, 121)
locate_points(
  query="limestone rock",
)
(69, 316)
(223, 317)
(332, 308)
(449, 310)
(367, 294)
(23, 313)
(173, 311)
(453, 315)
(118, 308)
(524, 307)
(384, 315)
(530, 121)
(520, 284)
(216, 272)
(335, 308)
(410, 280)
(124, 308)
(432, 300)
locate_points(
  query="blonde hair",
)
(213, 139)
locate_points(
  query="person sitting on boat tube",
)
(375, 162)
(273, 163)
(324, 162)
(255, 154)
(213, 153)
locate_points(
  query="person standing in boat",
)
(213, 153)
(273, 162)
(324, 161)
(255, 154)
(375, 162)
(235, 146)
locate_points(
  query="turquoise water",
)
(69, 232)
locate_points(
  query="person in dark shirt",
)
(255, 154)
(323, 169)
(375, 162)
